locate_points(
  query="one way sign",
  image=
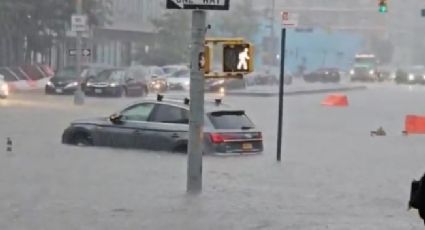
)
(84, 52)
(198, 4)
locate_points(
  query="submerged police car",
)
(163, 125)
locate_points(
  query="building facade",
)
(128, 27)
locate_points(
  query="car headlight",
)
(5, 89)
(49, 83)
(372, 72)
(187, 83)
(89, 84)
(113, 84)
(72, 84)
(411, 77)
(352, 72)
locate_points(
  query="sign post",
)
(197, 81)
(288, 20)
(198, 62)
(79, 25)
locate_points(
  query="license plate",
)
(247, 146)
(59, 91)
(98, 91)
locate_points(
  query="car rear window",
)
(230, 120)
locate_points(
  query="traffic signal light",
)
(383, 6)
(238, 58)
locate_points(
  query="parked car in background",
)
(164, 125)
(157, 79)
(67, 80)
(386, 73)
(267, 78)
(323, 75)
(179, 80)
(117, 82)
(4, 88)
(170, 69)
(220, 85)
(364, 74)
(411, 75)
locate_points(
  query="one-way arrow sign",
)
(84, 52)
(198, 4)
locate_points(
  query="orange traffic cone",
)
(338, 100)
(414, 124)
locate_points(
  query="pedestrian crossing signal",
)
(238, 58)
(205, 60)
(383, 6)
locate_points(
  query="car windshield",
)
(181, 74)
(230, 120)
(172, 69)
(109, 75)
(67, 72)
(157, 71)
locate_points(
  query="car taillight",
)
(259, 135)
(216, 138)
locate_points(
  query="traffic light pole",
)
(79, 95)
(196, 121)
(281, 95)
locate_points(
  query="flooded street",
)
(334, 174)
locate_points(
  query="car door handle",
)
(175, 135)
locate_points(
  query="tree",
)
(171, 42)
(30, 26)
(241, 21)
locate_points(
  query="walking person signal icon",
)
(238, 58)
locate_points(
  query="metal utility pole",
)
(79, 95)
(281, 95)
(194, 180)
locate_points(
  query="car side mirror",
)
(130, 79)
(116, 118)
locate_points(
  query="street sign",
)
(79, 23)
(289, 20)
(84, 52)
(198, 4)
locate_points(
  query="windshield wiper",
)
(246, 127)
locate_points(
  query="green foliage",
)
(171, 42)
(41, 22)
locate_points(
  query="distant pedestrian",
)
(417, 197)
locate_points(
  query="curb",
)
(297, 92)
